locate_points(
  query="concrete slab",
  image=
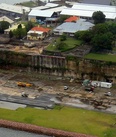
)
(11, 106)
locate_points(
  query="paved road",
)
(43, 101)
(4, 132)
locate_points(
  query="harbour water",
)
(4, 132)
(12, 1)
(101, 2)
(104, 2)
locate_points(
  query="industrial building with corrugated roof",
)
(13, 11)
(14, 8)
(49, 12)
(86, 10)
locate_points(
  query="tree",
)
(19, 32)
(61, 45)
(63, 18)
(102, 41)
(29, 26)
(100, 28)
(10, 34)
(63, 37)
(85, 35)
(4, 25)
(19, 26)
(98, 17)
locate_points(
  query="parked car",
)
(65, 87)
(107, 93)
(91, 89)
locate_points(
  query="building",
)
(4, 18)
(72, 19)
(13, 10)
(86, 10)
(13, 27)
(70, 28)
(49, 12)
(38, 33)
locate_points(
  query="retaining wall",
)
(39, 130)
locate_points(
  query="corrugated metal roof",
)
(57, 9)
(14, 8)
(86, 13)
(51, 5)
(72, 27)
(41, 13)
(94, 7)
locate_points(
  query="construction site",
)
(46, 91)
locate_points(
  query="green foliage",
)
(103, 41)
(19, 26)
(84, 35)
(63, 18)
(61, 45)
(19, 32)
(71, 58)
(63, 37)
(58, 107)
(102, 36)
(98, 17)
(29, 25)
(10, 34)
(4, 25)
(100, 28)
(112, 27)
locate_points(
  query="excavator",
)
(24, 84)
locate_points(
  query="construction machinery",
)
(24, 84)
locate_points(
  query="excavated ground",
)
(75, 95)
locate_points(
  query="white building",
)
(86, 10)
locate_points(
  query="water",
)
(4, 132)
(12, 1)
(104, 2)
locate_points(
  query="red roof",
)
(40, 29)
(73, 18)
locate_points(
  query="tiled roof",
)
(40, 29)
(72, 18)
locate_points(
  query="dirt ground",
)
(54, 85)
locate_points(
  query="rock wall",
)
(62, 66)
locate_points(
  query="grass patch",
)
(103, 57)
(71, 43)
(66, 118)
(28, 4)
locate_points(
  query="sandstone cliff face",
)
(96, 70)
(55, 65)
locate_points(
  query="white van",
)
(106, 85)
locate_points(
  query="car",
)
(107, 93)
(90, 89)
(65, 87)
